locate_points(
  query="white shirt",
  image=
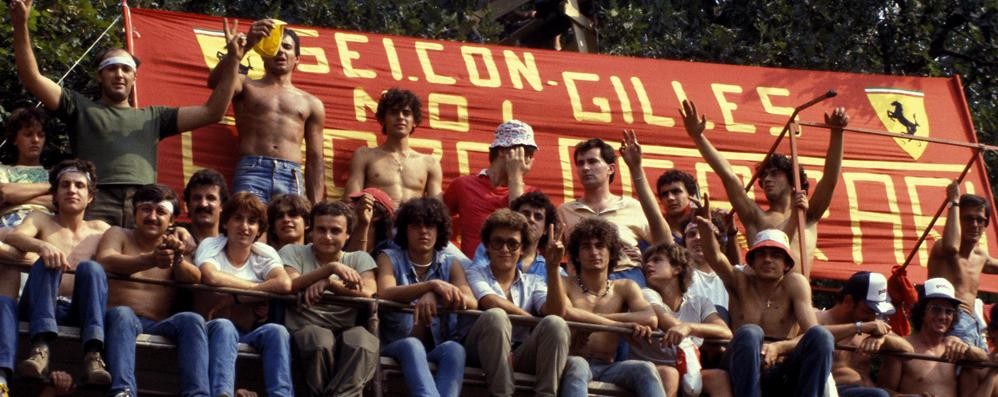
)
(262, 260)
(710, 286)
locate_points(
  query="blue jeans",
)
(411, 355)
(268, 176)
(272, 341)
(44, 311)
(186, 329)
(804, 372)
(860, 391)
(967, 328)
(639, 377)
(8, 334)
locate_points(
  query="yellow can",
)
(268, 46)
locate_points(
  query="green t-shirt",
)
(335, 317)
(121, 142)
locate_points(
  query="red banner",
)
(888, 191)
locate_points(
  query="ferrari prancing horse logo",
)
(903, 112)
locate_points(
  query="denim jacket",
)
(397, 325)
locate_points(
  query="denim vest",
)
(397, 325)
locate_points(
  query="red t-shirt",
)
(472, 199)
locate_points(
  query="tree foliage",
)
(902, 37)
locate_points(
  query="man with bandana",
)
(153, 250)
(119, 139)
(64, 241)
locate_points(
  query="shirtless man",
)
(776, 180)
(273, 116)
(959, 258)
(594, 249)
(152, 251)
(393, 166)
(64, 241)
(857, 320)
(932, 318)
(204, 196)
(119, 139)
(770, 301)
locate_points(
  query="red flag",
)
(904, 296)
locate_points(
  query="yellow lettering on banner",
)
(646, 110)
(507, 110)
(347, 56)
(422, 48)
(463, 149)
(362, 103)
(603, 116)
(677, 87)
(520, 69)
(393, 58)
(470, 53)
(565, 147)
(728, 107)
(918, 213)
(857, 216)
(459, 125)
(625, 101)
(743, 172)
(433, 144)
(767, 104)
(646, 163)
(321, 65)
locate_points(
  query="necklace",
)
(599, 294)
(398, 158)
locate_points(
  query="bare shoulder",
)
(625, 287)
(313, 101)
(796, 283)
(363, 154)
(98, 226)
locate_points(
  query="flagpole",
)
(126, 12)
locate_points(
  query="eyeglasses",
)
(942, 310)
(499, 243)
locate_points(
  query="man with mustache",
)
(273, 117)
(204, 196)
(393, 166)
(119, 139)
(64, 241)
(960, 259)
(153, 251)
(776, 180)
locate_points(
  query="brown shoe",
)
(94, 370)
(37, 363)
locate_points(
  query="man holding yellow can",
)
(273, 116)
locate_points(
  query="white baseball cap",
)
(940, 288)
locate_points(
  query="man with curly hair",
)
(776, 181)
(393, 166)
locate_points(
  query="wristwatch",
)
(859, 327)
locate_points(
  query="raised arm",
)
(43, 88)
(556, 302)
(191, 117)
(258, 30)
(822, 196)
(711, 250)
(630, 151)
(747, 210)
(315, 188)
(950, 244)
(517, 166)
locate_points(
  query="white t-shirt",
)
(710, 286)
(262, 260)
(692, 309)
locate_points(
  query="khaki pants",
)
(113, 204)
(543, 354)
(327, 373)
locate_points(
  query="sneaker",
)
(94, 370)
(124, 393)
(4, 390)
(37, 363)
(688, 364)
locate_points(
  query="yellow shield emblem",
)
(902, 112)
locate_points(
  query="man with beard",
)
(769, 301)
(932, 318)
(204, 196)
(393, 166)
(120, 140)
(776, 180)
(153, 251)
(960, 259)
(273, 117)
(64, 241)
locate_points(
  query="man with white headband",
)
(120, 140)
(151, 251)
(64, 241)
(273, 117)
